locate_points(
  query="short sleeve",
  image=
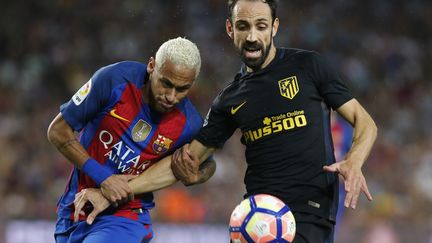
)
(88, 100)
(218, 126)
(330, 84)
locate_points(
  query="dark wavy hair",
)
(273, 4)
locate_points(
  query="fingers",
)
(355, 196)
(185, 152)
(174, 160)
(332, 168)
(186, 147)
(91, 217)
(365, 190)
(116, 189)
(176, 156)
(129, 196)
(353, 189)
(122, 201)
(112, 195)
(192, 156)
(79, 203)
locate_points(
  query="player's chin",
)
(164, 108)
(254, 63)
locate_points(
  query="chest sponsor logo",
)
(161, 144)
(235, 109)
(115, 115)
(126, 159)
(140, 131)
(276, 124)
(289, 87)
(82, 93)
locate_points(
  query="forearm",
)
(200, 150)
(160, 175)
(154, 178)
(61, 135)
(365, 131)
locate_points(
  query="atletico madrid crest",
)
(161, 144)
(289, 87)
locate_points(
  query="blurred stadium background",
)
(48, 49)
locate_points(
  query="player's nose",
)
(252, 35)
(171, 95)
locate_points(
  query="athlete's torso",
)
(122, 132)
(282, 114)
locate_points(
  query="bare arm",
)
(160, 175)
(62, 136)
(365, 133)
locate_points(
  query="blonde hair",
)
(180, 51)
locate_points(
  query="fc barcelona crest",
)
(288, 87)
(140, 131)
(161, 144)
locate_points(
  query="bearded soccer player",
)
(130, 115)
(281, 101)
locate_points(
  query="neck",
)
(145, 90)
(267, 61)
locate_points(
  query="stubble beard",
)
(256, 63)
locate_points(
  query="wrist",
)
(96, 171)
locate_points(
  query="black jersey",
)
(283, 113)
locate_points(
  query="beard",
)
(254, 63)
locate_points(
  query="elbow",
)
(51, 133)
(54, 135)
(374, 130)
(58, 132)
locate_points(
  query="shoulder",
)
(299, 56)
(121, 72)
(229, 91)
(191, 113)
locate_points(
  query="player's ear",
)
(229, 28)
(275, 26)
(151, 65)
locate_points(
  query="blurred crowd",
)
(48, 49)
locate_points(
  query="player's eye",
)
(262, 27)
(242, 27)
(166, 84)
(182, 89)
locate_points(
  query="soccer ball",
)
(262, 218)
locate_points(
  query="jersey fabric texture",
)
(123, 133)
(283, 113)
(102, 231)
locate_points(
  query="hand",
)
(354, 181)
(185, 166)
(116, 189)
(95, 197)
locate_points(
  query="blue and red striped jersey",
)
(121, 132)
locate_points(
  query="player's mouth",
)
(166, 106)
(252, 54)
(252, 50)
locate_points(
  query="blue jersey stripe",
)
(92, 127)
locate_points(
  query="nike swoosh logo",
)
(113, 114)
(234, 110)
